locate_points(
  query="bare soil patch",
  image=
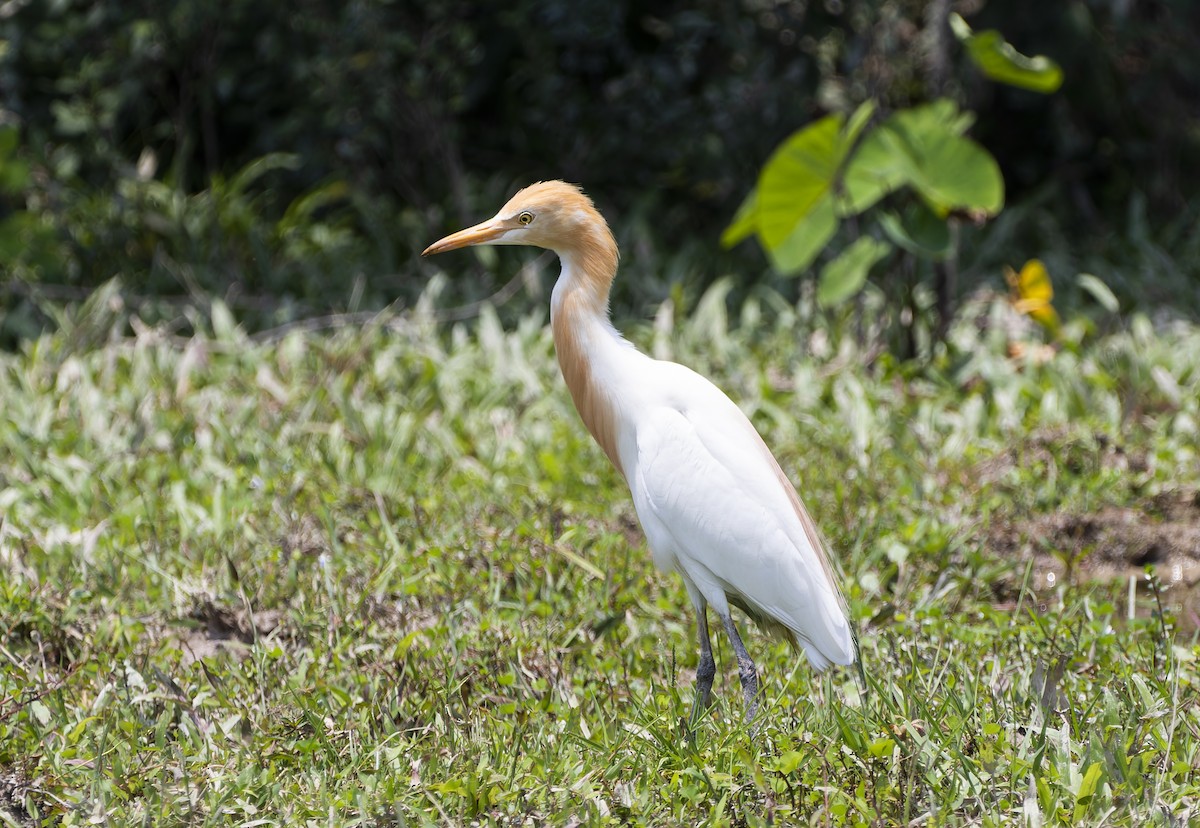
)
(13, 790)
(1112, 543)
(225, 630)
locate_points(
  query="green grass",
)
(383, 577)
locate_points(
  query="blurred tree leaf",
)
(744, 223)
(1099, 291)
(924, 148)
(887, 159)
(918, 231)
(879, 167)
(997, 59)
(845, 276)
(802, 171)
(958, 174)
(792, 207)
(241, 180)
(1033, 293)
(807, 239)
(797, 177)
(14, 173)
(8, 142)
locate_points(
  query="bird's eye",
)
(525, 217)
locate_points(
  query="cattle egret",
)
(712, 500)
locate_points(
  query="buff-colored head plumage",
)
(559, 217)
(554, 215)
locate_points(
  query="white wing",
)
(705, 484)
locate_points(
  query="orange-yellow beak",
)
(482, 233)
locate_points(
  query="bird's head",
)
(549, 214)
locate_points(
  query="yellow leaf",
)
(1032, 293)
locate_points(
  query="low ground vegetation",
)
(380, 575)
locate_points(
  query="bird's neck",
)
(585, 341)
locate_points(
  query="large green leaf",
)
(744, 223)
(802, 171)
(856, 124)
(807, 239)
(885, 161)
(923, 148)
(844, 276)
(796, 177)
(881, 165)
(956, 173)
(997, 59)
(919, 231)
(942, 114)
(791, 208)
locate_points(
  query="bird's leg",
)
(707, 668)
(746, 669)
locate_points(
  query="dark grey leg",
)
(707, 668)
(746, 670)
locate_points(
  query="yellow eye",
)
(525, 217)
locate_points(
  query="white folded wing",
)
(712, 497)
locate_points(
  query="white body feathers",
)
(709, 495)
(714, 504)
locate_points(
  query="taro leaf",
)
(918, 231)
(801, 173)
(998, 60)
(881, 164)
(957, 173)
(942, 113)
(948, 170)
(890, 158)
(796, 177)
(808, 238)
(844, 276)
(744, 223)
(923, 147)
(856, 124)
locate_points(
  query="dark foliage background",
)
(296, 157)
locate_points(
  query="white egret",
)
(711, 498)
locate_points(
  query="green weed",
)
(383, 577)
